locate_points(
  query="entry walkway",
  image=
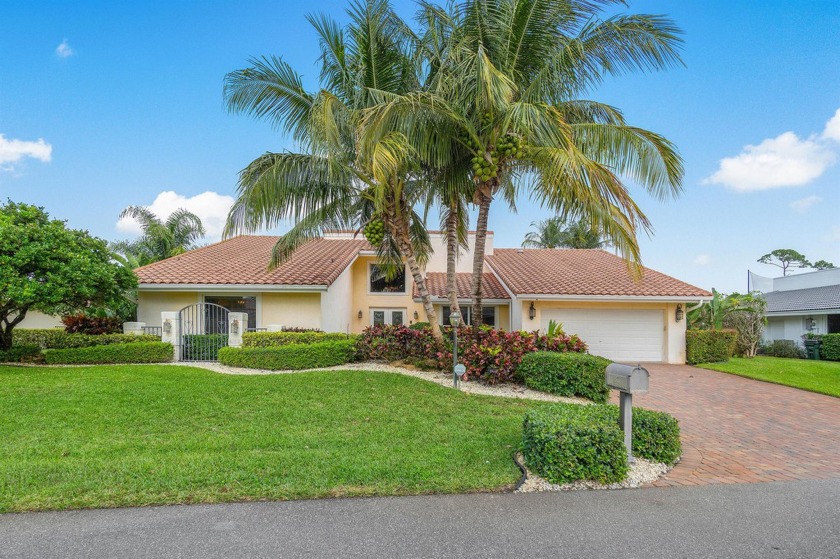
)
(738, 430)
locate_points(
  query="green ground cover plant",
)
(815, 376)
(107, 436)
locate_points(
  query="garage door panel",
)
(617, 334)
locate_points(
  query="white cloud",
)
(12, 151)
(777, 162)
(211, 207)
(834, 235)
(801, 206)
(64, 50)
(832, 128)
(702, 260)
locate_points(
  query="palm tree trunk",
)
(400, 233)
(431, 315)
(478, 256)
(451, 256)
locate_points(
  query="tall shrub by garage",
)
(830, 348)
(709, 346)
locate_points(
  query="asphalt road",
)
(766, 520)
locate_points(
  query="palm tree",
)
(502, 104)
(160, 239)
(335, 182)
(555, 233)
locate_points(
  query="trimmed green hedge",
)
(56, 338)
(656, 435)
(17, 353)
(277, 339)
(138, 352)
(830, 349)
(290, 357)
(709, 346)
(568, 443)
(565, 443)
(566, 374)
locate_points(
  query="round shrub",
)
(656, 436)
(566, 443)
(290, 357)
(566, 374)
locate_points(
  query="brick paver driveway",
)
(737, 430)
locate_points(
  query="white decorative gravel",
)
(642, 472)
(443, 379)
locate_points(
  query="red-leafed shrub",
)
(94, 325)
(490, 355)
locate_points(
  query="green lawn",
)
(816, 376)
(138, 435)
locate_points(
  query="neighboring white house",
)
(801, 303)
(334, 284)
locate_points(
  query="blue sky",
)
(106, 104)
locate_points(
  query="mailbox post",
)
(628, 380)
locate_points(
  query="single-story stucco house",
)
(334, 284)
(800, 304)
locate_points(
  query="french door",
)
(381, 317)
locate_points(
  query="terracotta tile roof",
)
(581, 272)
(244, 261)
(436, 284)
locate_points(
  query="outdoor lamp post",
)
(455, 321)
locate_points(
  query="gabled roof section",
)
(244, 261)
(582, 272)
(436, 284)
(811, 299)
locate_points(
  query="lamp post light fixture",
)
(680, 314)
(455, 321)
(167, 326)
(234, 326)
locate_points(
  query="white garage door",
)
(619, 334)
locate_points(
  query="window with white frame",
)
(390, 317)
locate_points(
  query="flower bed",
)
(490, 355)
